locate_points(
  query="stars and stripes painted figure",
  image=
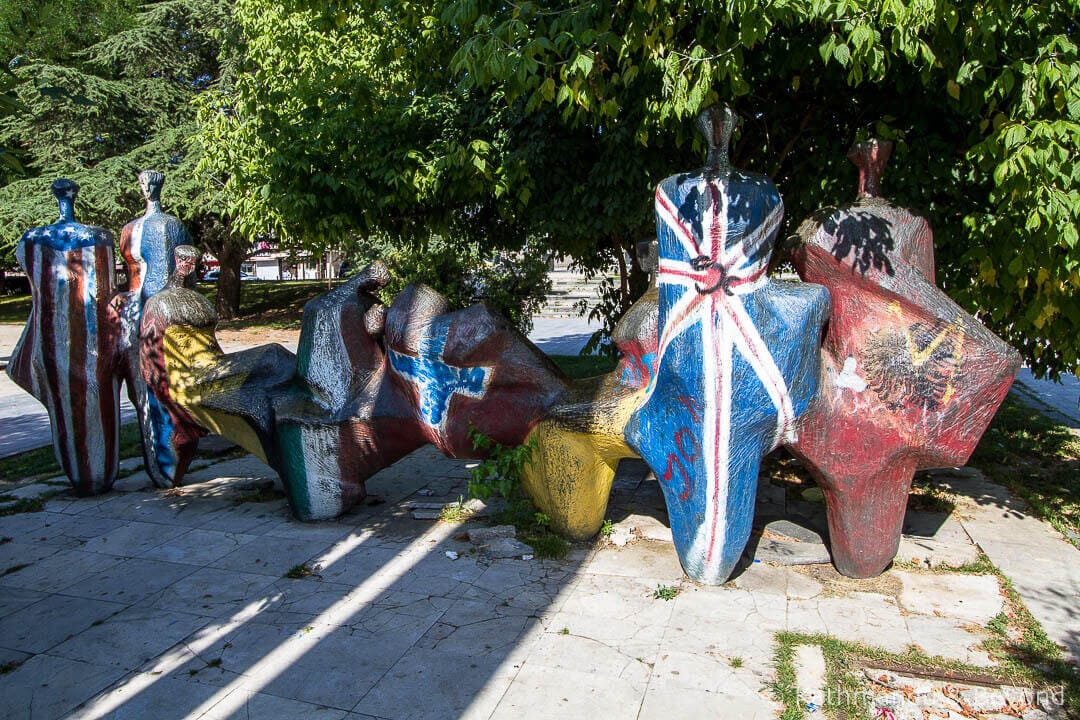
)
(65, 357)
(738, 358)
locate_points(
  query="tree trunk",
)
(633, 281)
(228, 285)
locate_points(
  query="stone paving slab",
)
(174, 605)
(1043, 566)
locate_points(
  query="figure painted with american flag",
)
(66, 355)
(738, 356)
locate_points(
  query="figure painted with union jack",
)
(738, 356)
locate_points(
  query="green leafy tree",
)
(495, 121)
(106, 89)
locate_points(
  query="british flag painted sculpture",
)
(737, 362)
(66, 356)
(909, 380)
(147, 245)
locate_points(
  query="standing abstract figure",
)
(909, 380)
(738, 354)
(147, 245)
(66, 355)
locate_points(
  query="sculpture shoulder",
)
(739, 186)
(166, 226)
(68, 235)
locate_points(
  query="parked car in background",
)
(213, 275)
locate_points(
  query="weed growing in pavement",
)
(299, 572)
(665, 592)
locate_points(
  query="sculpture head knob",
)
(151, 181)
(186, 256)
(65, 191)
(717, 123)
(648, 255)
(870, 157)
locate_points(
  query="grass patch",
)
(9, 667)
(1038, 460)
(42, 461)
(268, 303)
(277, 304)
(583, 366)
(15, 569)
(14, 309)
(23, 505)
(455, 512)
(1026, 657)
(532, 529)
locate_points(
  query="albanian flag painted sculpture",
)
(738, 354)
(720, 364)
(909, 380)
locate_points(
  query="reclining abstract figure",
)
(738, 355)
(909, 381)
(147, 245)
(67, 352)
(370, 384)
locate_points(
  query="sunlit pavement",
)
(151, 604)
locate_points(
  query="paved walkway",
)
(1058, 400)
(177, 605)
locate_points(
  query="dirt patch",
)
(230, 339)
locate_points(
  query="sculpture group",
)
(865, 371)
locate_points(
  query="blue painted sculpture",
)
(738, 354)
(147, 245)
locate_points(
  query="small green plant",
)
(500, 473)
(454, 512)
(564, 631)
(24, 505)
(735, 662)
(298, 572)
(607, 528)
(9, 667)
(665, 592)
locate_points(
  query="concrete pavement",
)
(188, 604)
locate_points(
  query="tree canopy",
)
(105, 90)
(555, 120)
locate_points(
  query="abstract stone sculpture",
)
(580, 440)
(147, 245)
(67, 353)
(370, 384)
(738, 354)
(909, 380)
